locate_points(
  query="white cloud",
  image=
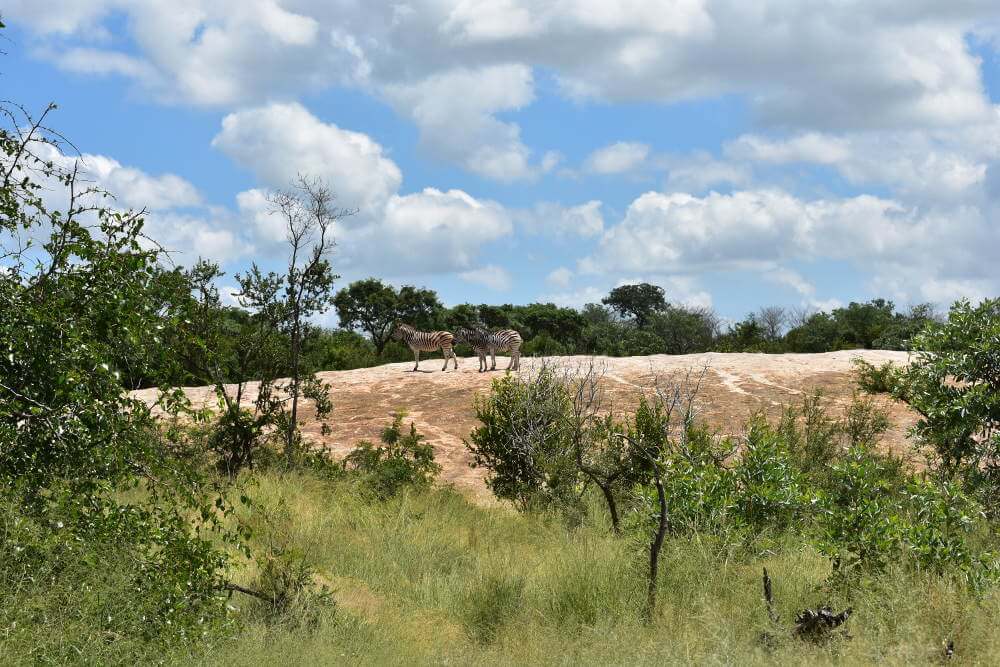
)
(928, 165)
(279, 141)
(560, 277)
(492, 276)
(455, 113)
(808, 147)
(575, 298)
(617, 158)
(700, 171)
(910, 251)
(189, 237)
(583, 220)
(425, 232)
(810, 64)
(789, 278)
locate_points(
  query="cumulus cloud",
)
(279, 141)
(814, 65)
(583, 220)
(492, 276)
(176, 216)
(455, 111)
(431, 231)
(560, 277)
(617, 158)
(907, 250)
(929, 165)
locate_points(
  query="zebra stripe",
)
(426, 341)
(485, 341)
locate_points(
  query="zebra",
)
(484, 341)
(425, 341)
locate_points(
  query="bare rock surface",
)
(441, 403)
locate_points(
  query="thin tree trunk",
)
(654, 549)
(293, 422)
(612, 506)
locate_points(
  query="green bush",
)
(770, 493)
(954, 384)
(401, 460)
(873, 379)
(523, 440)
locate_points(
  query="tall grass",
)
(427, 577)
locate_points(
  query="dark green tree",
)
(374, 306)
(638, 301)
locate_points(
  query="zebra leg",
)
(482, 360)
(416, 360)
(493, 356)
(454, 357)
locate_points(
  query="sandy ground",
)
(440, 403)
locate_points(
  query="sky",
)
(802, 153)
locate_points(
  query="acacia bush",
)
(880, 379)
(399, 460)
(524, 439)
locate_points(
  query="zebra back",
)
(477, 339)
(424, 341)
(505, 340)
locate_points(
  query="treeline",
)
(631, 320)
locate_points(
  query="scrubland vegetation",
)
(218, 537)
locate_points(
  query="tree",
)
(685, 330)
(637, 301)
(772, 320)
(370, 305)
(954, 384)
(83, 462)
(373, 306)
(524, 440)
(819, 333)
(308, 213)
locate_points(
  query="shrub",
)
(873, 379)
(524, 440)
(953, 384)
(769, 491)
(400, 460)
(864, 422)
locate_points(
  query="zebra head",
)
(400, 329)
(462, 335)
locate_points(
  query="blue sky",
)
(794, 152)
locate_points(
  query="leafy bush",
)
(769, 490)
(954, 384)
(873, 379)
(108, 581)
(524, 441)
(400, 460)
(876, 515)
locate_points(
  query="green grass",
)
(428, 578)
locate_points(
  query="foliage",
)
(954, 384)
(401, 460)
(374, 306)
(436, 577)
(638, 301)
(874, 379)
(875, 515)
(523, 440)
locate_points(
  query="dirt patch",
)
(440, 403)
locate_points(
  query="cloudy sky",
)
(737, 153)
